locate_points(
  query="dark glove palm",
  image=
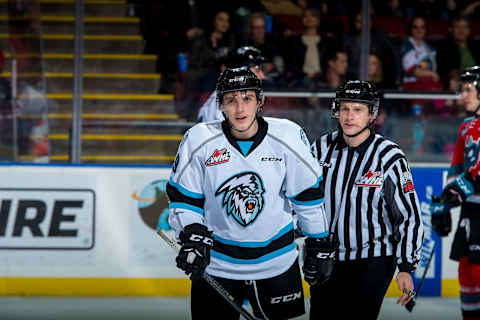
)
(441, 217)
(194, 256)
(458, 190)
(319, 259)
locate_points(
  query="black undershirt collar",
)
(361, 148)
(257, 138)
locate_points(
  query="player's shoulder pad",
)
(391, 150)
(201, 132)
(387, 143)
(287, 131)
(468, 119)
(328, 138)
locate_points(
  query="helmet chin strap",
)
(476, 110)
(474, 113)
(356, 134)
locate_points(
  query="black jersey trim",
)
(252, 253)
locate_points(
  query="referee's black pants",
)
(355, 290)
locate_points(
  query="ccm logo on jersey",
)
(325, 164)
(286, 298)
(270, 159)
(326, 255)
(370, 179)
(218, 157)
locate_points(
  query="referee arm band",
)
(406, 267)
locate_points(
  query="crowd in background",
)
(314, 44)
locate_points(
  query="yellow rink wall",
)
(137, 287)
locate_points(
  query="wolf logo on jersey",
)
(472, 149)
(243, 197)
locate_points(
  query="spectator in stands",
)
(281, 7)
(453, 107)
(458, 52)
(375, 75)
(335, 64)
(303, 59)
(241, 10)
(470, 8)
(379, 43)
(258, 38)
(265, 42)
(450, 9)
(419, 59)
(208, 51)
(434, 9)
(390, 8)
(375, 71)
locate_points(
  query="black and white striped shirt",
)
(370, 201)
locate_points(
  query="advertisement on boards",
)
(428, 182)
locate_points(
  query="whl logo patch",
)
(218, 157)
(370, 179)
(407, 182)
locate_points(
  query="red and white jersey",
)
(466, 158)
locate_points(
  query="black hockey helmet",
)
(247, 56)
(471, 75)
(239, 79)
(357, 91)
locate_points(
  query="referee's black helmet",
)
(357, 91)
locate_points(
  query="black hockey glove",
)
(441, 217)
(194, 256)
(319, 259)
(458, 190)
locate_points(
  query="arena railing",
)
(424, 124)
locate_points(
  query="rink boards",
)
(89, 230)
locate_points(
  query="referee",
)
(372, 208)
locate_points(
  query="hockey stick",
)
(211, 281)
(412, 302)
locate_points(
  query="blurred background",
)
(95, 96)
(120, 81)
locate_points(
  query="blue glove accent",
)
(439, 208)
(457, 191)
(464, 185)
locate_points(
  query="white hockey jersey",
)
(246, 197)
(209, 110)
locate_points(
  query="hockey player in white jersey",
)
(247, 56)
(230, 189)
